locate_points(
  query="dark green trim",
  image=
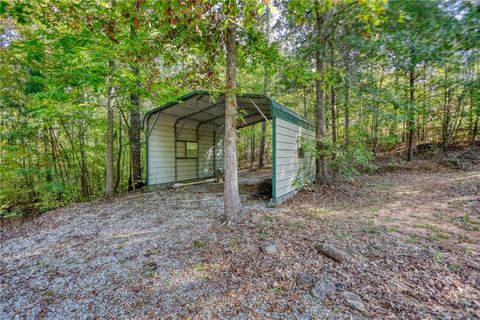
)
(146, 152)
(275, 107)
(274, 157)
(288, 115)
(186, 150)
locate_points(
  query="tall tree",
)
(109, 186)
(261, 159)
(231, 194)
(135, 120)
(320, 17)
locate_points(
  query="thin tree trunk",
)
(333, 107)
(261, 157)
(261, 161)
(135, 180)
(231, 194)
(458, 116)
(252, 148)
(347, 107)
(446, 117)
(376, 120)
(475, 131)
(334, 122)
(119, 155)
(473, 123)
(470, 116)
(55, 156)
(109, 187)
(83, 162)
(48, 168)
(321, 162)
(411, 116)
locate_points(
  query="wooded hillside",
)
(78, 76)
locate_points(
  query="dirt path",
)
(414, 238)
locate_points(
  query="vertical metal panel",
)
(289, 171)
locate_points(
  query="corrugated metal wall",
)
(292, 170)
(161, 150)
(161, 153)
(219, 151)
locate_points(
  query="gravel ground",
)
(134, 257)
(165, 254)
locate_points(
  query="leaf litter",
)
(165, 253)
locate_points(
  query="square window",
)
(300, 152)
(191, 149)
(187, 149)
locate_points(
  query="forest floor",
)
(412, 232)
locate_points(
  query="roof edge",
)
(274, 104)
(183, 98)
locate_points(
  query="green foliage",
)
(353, 160)
(55, 77)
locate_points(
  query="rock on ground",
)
(271, 247)
(323, 288)
(332, 252)
(304, 279)
(354, 301)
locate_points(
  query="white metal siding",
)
(219, 151)
(186, 168)
(205, 152)
(290, 170)
(161, 151)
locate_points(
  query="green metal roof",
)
(276, 108)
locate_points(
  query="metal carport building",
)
(184, 141)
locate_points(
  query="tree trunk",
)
(347, 108)
(333, 107)
(135, 180)
(411, 116)
(446, 118)
(46, 162)
(261, 156)
(118, 176)
(109, 187)
(334, 122)
(261, 161)
(84, 181)
(376, 118)
(475, 131)
(252, 148)
(321, 161)
(231, 194)
(473, 123)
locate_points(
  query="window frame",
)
(185, 149)
(300, 152)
